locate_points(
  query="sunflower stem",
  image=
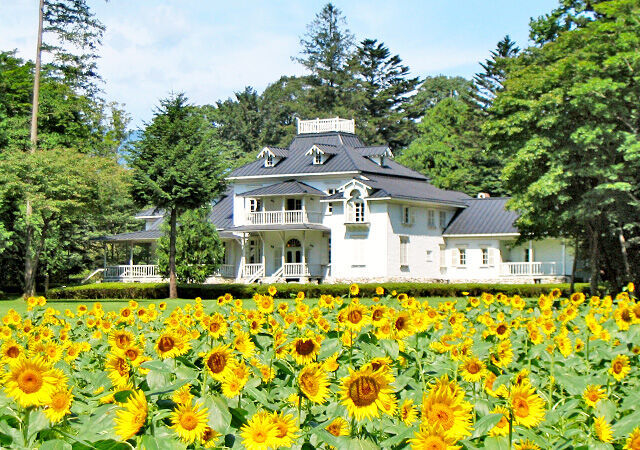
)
(510, 429)
(25, 426)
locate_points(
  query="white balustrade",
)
(131, 272)
(226, 271)
(295, 270)
(529, 268)
(326, 125)
(251, 270)
(283, 217)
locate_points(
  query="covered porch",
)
(295, 253)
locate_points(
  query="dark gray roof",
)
(222, 212)
(288, 226)
(376, 150)
(150, 212)
(346, 159)
(327, 148)
(146, 235)
(410, 189)
(290, 187)
(484, 216)
(280, 152)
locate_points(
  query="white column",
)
(282, 234)
(264, 250)
(530, 251)
(243, 241)
(304, 256)
(131, 253)
(105, 255)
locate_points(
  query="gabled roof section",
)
(222, 212)
(484, 216)
(325, 149)
(274, 151)
(408, 189)
(150, 213)
(290, 187)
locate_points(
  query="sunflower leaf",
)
(485, 423)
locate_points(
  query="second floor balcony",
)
(283, 217)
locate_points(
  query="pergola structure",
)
(131, 271)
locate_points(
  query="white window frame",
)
(431, 218)
(407, 215)
(404, 251)
(462, 257)
(443, 219)
(486, 258)
(269, 160)
(255, 205)
(330, 191)
(317, 158)
(429, 256)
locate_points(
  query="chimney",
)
(483, 195)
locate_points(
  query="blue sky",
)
(210, 48)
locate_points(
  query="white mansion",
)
(330, 208)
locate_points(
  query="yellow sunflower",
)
(620, 367)
(232, 385)
(259, 433)
(527, 405)
(217, 326)
(31, 382)
(338, 427)
(183, 395)
(314, 383)
(305, 350)
(593, 394)
(472, 370)
(219, 362)
(408, 412)
(526, 445)
(433, 437)
(243, 344)
(633, 441)
(354, 289)
(171, 344)
(117, 369)
(365, 391)
(502, 427)
(60, 404)
(402, 325)
(132, 416)
(286, 430)
(603, 430)
(189, 422)
(355, 316)
(445, 406)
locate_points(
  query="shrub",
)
(211, 291)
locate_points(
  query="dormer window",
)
(268, 161)
(317, 158)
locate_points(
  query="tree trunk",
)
(30, 282)
(573, 267)
(29, 264)
(625, 257)
(593, 260)
(173, 288)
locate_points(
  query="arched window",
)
(293, 243)
(355, 207)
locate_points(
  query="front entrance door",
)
(294, 251)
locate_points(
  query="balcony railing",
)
(283, 217)
(132, 272)
(528, 268)
(250, 270)
(325, 125)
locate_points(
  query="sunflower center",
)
(521, 407)
(126, 313)
(310, 384)
(188, 421)
(400, 323)
(434, 443)
(443, 415)
(166, 343)
(617, 367)
(626, 315)
(217, 362)
(635, 443)
(593, 396)
(354, 316)
(503, 422)
(131, 353)
(502, 329)
(13, 352)
(282, 430)
(473, 368)
(334, 429)
(377, 314)
(364, 391)
(208, 434)
(259, 436)
(214, 327)
(58, 401)
(304, 347)
(30, 381)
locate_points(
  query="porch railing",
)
(250, 270)
(295, 270)
(138, 271)
(528, 268)
(283, 217)
(226, 271)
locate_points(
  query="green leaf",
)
(496, 443)
(625, 426)
(391, 348)
(122, 396)
(485, 423)
(157, 379)
(159, 443)
(55, 444)
(361, 444)
(219, 414)
(606, 408)
(400, 437)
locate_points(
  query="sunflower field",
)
(391, 371)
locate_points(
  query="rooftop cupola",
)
(326, 125)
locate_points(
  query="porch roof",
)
(484, 216)
(289, 187)
(281, 227)
(134, 236)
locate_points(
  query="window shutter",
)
(492, 256)
(455, 257)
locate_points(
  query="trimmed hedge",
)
(212, 291)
